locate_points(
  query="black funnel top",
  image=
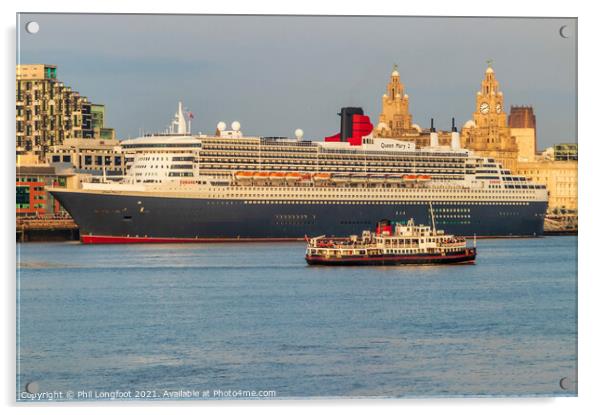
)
(347, 114)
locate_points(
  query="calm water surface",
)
(255, 317)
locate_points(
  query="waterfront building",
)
(98, 123)
(97, 156)
(524, 130)
(49, 112)
(565, 152)
(488, 134)
(560, 178)
(31, 196)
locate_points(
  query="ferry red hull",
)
(468, 257)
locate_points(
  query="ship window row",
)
(526, 186)
(453, 222)
(358, 160)
(324, 161)
(148, 158)
(253, 164)
(339, 196)
(292, 222)
(354, 157)
(482, 194)
(306, 169)
(408, 154)
(289, 217)
(515, 178)
(339, 154)
(355, 222)
(162, 145)
(312, 169)
(180, 174)
(254, 147)
(366, 202)
(152, 166)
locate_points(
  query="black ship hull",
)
(123, 218)
(466, 257)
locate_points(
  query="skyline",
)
(286, 76)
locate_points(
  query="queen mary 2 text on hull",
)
(189, 188)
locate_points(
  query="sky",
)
(275, 74)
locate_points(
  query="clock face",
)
(498, 108)
(484, 108)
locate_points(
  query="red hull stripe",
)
(105, 239)
(388, 258)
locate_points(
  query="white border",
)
(589, 238)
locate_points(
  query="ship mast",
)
(432, 216)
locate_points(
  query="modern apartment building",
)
(48, 112)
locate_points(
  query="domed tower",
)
(488, 133)
(395, 119)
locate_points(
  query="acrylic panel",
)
(280, 207)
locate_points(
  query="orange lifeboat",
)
(243, 175)
(262, 175)
(410, 177)
(293, 177)
(423, 177)
(277, 175)
(322, 176)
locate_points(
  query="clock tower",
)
(487, 133)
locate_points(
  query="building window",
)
(23, 197)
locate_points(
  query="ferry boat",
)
(225, 186)
(396, 244)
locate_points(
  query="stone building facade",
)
(395, 120)
(524, 130)
(488, 134)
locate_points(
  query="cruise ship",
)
(181, 187)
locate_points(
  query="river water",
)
(229, 320)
